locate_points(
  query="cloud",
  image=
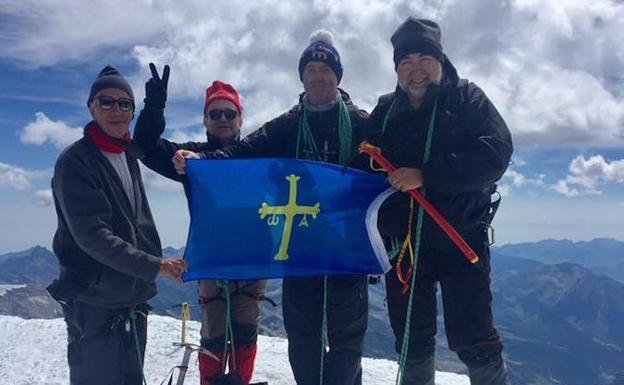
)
(44, 34)
(504, 190)
(596, 168)
(256, 46)
(586, 175)
(552, 68)
(259, 50)
(181, 136)
(558, 107)
(518, 161)
(516, 178)
(43, 198)
(513, 178)
(157, 183)
(44, 130)
(562, 187)
(13, 177)
(38, 99)
(557, 85)
(17, 178)
(588, 172)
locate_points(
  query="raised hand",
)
(156, 88)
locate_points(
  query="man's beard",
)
(414, 91)
(417, 92)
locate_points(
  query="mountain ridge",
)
(560, 322)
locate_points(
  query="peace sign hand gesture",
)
(156, 88)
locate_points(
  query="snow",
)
(33, 352)
(6, 288)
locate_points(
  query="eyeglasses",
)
(107, 103)
(216, 114)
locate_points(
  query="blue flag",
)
(271, 218)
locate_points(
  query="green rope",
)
(229, 332)
(132, 316)
(306, 145)
(395, 243)
(305, 139)
(345, 133)
(324, 337)
(305, 135)
(430, 133)
(385, 121)
(417, 240)
(394, 248)
(408, 315)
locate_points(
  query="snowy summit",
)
(33, 352)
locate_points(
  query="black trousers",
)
(347, 319)
(101, 346)
(466, 300)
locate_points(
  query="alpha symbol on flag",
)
(289, 211)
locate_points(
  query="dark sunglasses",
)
(229, 114)
(107, 103)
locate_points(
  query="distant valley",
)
(559, 306)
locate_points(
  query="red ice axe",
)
(375, 154)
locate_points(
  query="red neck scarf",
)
(105, 142)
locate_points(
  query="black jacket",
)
(109, 256)
(158, 151)
(278, 137)
(470, 151)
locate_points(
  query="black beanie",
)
(321, 49)
(417, 36)
(109, 77)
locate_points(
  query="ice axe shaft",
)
(375, 154)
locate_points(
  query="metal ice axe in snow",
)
(375, 154)
(188, 348)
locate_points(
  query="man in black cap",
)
(446, 138)
(106, 243)
(325, 126)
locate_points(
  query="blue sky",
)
(553, 69)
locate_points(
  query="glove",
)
(156, 88)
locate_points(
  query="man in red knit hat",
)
(108, 249)
(223, 121)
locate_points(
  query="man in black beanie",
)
(106, 242)
(446, 138)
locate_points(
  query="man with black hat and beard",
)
(446, 138)
(323, 126)
(106, 242)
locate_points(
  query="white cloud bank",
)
(13, 177)
(43, 130)
(586, 175)
(17, 178)
(43, 198)
(514, 179)
(553, 68)
(155, 182)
